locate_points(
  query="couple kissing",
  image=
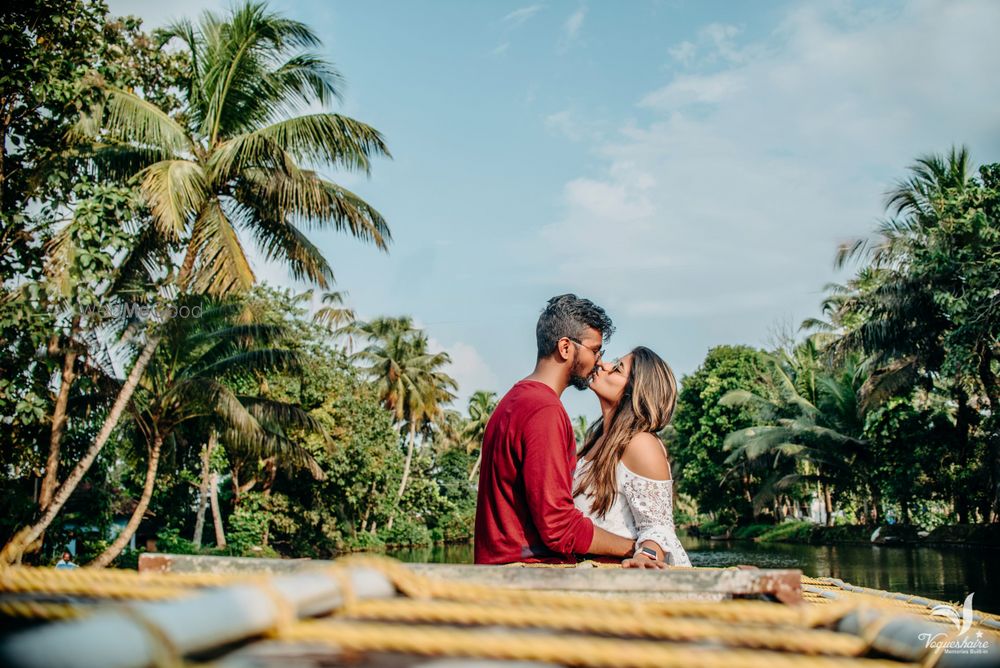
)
(539, 500)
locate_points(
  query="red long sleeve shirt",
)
(525, 510)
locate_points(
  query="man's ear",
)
(563, 348)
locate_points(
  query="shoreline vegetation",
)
(810, 533)
(152, 389)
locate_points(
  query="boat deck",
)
(371, 611)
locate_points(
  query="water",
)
(946, 573)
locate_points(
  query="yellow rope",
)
(39, 610)
(754, 634)
(421, 587)
(555, 648)
(636, 625)
(112, 584)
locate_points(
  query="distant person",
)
(66, 561)
(525, 510)
(622, 480)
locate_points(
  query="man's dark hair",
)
(571, 316)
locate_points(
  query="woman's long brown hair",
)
(647, 404)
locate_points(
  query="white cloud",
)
(683, 52)
(689, 89)
(725, 207)
(573, 24)
(468, 368)
(501, 49)
(519, 16)
(721, 37)
(714, 43)
(570, 124)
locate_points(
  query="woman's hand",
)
(644, 560)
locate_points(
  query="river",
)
(943, 573)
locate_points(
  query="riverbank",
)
(808, 533)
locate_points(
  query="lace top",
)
(642, 509)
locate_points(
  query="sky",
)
(692, 167)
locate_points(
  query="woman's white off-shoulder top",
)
(643, 509)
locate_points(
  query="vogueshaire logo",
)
(961, 642)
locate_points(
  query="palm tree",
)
(333, 314)
(797, 440)
(901, 321)
(481, 407)
(407, 377)
(187, 380)
(580, 427)
(238, 166)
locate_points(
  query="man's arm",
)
(610, 544)
(548, 476)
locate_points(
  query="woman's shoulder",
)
(644, 455)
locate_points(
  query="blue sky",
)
(691, 166)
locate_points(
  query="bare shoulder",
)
(644, 455)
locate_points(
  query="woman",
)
(622, 480)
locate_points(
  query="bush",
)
(406, 532)
(752, 531)
(128, 558)
(457, 527)
(363, 542)
(247, 525)
(170, 541)
(792, 532)
(713, 528)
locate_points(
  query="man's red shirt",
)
(525, 508)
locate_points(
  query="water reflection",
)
(948, 574)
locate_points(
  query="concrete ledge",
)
(784, 585)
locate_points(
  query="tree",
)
(929, 310)
(407, 378)
(234, 159)
(481, 407)
(51, 52)
(795, 438)
(186, 380)
(701, 424)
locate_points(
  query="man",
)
(525, 511)
(66, 562)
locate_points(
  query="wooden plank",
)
(704, 583)
(784, 584)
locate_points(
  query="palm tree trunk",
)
(12, 550)
(406, 471)
(992, 390)
(59, 419)
(126, 534)
(220, 535)
(828, 504)
(206, 455)
(475, 467)
(963, 425)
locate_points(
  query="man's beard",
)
(580, 382)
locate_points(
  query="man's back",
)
(525, 508)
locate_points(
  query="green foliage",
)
(700, 427)
(752, 531)
(914, 463)
(170, 540)
(406, 532)
(794, 532)
(248, 526)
